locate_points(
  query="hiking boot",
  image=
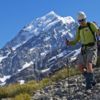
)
(88, 86)
(89, 80)
(93, 83)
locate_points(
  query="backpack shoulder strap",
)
(89, 25)
(79, 28)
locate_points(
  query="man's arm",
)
(73, 42)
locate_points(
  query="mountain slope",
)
(72, 88)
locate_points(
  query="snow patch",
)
(26, 65)
(47, 38)
(2, 84)
(60, 55)
(21, 81)
(45, 70)
(3, 57)
(53, 58)
(66, 20)
(65, 32)
(69, 20)
(71, 35)
(32, 49)
(4, 78)
(43, 53)
(73, 59)
(51, 24)
(20, 44)
(15, 47)
(28, 28)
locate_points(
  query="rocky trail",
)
(72, 88)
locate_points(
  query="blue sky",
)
(14, 14)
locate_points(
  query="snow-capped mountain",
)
(38, 47)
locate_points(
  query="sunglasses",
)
(82, 20)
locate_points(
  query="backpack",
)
(96, 38)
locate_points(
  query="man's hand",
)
(67, 42)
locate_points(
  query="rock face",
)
(72, 88)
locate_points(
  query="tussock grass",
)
(17, 91)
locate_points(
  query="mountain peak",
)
(67, 19)
(37, 45)
(51, 13)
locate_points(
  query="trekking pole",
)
(68, 67)
(68, 70)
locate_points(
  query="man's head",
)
(81, 17)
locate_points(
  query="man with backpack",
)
(85, 34)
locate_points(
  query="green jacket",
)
(84, 35)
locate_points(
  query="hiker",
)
(88, 55)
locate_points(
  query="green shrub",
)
(3, 93)
(44, 82)
(23, 96)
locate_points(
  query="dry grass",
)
(17, 90)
